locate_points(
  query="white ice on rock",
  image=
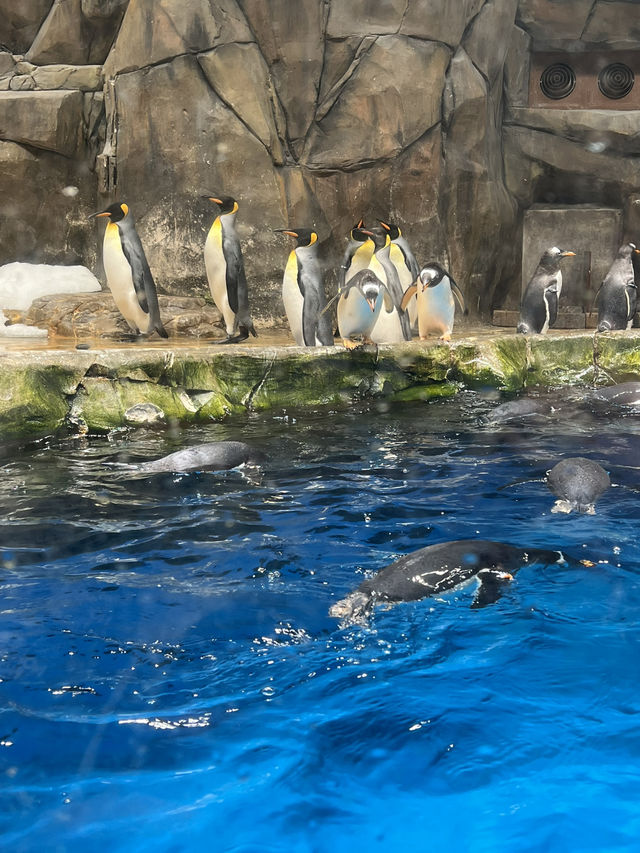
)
(21, 283)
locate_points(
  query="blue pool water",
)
(170, 679)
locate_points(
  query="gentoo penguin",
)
(577, 483)
(303, 292)
(359, 305)
(214, 456)
(128, 275)
(539, 307)
(405, 263)
(438, 568)
(618, 293)
(434, 291)
(225, 271)
(390, 327)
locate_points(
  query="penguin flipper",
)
(492, 584)
(309, 320)
(459, 295)
(134, 253)
(551, 298)
(408, 294)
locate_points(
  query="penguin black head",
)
(393, 230)
(379, 236)
(432, 274)
(116, 211)
(224, 202)
(305, 236)
(551, 257)
(360, 234)
(369, 285)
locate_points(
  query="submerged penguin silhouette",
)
(215, 456)
(438, 568)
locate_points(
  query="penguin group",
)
(382, 292)
(132, 286)
(616, 297)
(383, 295)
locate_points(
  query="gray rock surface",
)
(51, 120)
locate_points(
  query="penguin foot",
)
(242, 335)
(349, 344)
(446, 337)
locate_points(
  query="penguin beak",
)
(372, 298)
(213, 198)
(285, 231)
(568, 255)
(96, 215)
(384, 225)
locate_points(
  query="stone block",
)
(552, 22)
(22, 83)
(597, 131)
(615, 24)
(50, 120)
(516, 68)
(87, 78)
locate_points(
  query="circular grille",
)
(557, 81)
(616, 80)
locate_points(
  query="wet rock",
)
(596, 131)
(144, 415)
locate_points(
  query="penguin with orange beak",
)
(225, 271)
(128, 275)
(303, 291)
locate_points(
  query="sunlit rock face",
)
(311, 113)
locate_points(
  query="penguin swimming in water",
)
(357, 255)
(225, 271)
(618, 293)
(303, 292)
(128, 275)
(214, 456)
(438, 568)
(404, 261)
(390, 327)
(577, 483)
(434, 291)
(539, 308)
(359, 305)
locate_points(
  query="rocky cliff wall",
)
(314, 112)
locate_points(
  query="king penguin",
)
(539, 308)
(128, 275)
(225, 271)
(357, 255)
(303, 292)
(434, 291)
(405, 263)
(618, 293)
(359, 305)
(391, 327)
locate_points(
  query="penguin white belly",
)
(216, 268)
(293, 299)
(355, 316)
(436, 310)
(387, 328)
(120, 280)
(404, 274)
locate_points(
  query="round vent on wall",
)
(558, 81)
(616, 80)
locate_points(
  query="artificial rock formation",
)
(312, 113)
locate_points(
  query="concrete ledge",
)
(98, 390)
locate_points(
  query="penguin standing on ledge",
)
(405, 263)
(359, 306)
(539, 308)
(128, 275)
(395, 326)
(303, 291)
(225, 271)
(434, 291)
(618, 293)
(357, 255)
